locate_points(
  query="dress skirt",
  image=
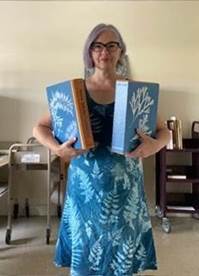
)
(105, 229)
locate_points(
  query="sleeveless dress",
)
(105, 228)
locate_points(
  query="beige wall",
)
(41, 43)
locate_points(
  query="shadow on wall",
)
(9, 119)
(29, 113)
(17, 118)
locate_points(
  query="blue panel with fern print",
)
(135, 108)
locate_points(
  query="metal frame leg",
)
(48, 227)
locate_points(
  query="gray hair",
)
(96, 31)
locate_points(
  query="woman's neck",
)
(104, 76)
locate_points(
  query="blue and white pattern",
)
(135, 108)
(63, 115)
(62, 103)
(141, 103)
(105, 228)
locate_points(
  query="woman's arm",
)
(43, 133)
(149, 145)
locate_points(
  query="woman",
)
(105, 227)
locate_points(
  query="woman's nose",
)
(104, 51)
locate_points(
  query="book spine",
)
(119, 121)
(179, 134)
(129, 131)
(170, 144)
(82, 113)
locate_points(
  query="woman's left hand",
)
(148, 146)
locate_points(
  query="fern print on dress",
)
(122, 263)
(110, 208)
(95, 255)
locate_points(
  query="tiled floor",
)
(177, 252)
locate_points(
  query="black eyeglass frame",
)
(105, 45)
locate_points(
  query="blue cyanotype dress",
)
(105, 228)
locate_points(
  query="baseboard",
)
(34, 210)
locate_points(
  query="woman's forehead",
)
(106, 35)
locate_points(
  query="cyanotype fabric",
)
(105, 228)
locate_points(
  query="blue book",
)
(69, 113)
(135, 108)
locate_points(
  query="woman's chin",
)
(105, 66)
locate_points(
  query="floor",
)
(27, 255)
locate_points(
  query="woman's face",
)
(105, 51)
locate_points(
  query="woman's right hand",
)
(43, 133)
(66, 151)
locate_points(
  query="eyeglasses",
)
(111, 46)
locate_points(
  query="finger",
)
(135, 153)
(141, 134)
(80, 151)
(70, 142)
(132, 155)
(66, 159)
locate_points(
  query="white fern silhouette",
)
(123, 260)
(131, 208)
(116, 236)
(121, 177)
(143, 217)
(75, 223)
(96, 173)
(85, 185)
(60, 102)
(96, 255)
(110, 208)
(88, 228)
(141, 103)
(71, 130)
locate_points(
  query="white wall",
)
(41, 43)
